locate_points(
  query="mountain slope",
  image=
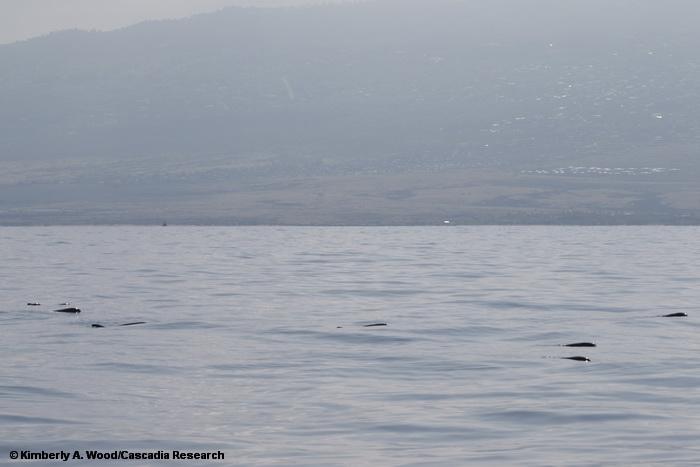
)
(355, 90)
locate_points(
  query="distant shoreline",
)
(135, 224)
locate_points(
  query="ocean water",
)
(255, 344)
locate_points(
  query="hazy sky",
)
(22, 19)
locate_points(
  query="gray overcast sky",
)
(22, 19)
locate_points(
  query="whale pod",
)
(95, 325)
(33, 304)
(68, 310)
(580, 344)
(577, 358)
(675, 315)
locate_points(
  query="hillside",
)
(410, 90)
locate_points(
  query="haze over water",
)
(254, 344)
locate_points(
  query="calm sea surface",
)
(255, 344)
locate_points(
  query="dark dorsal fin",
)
(577, 358)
